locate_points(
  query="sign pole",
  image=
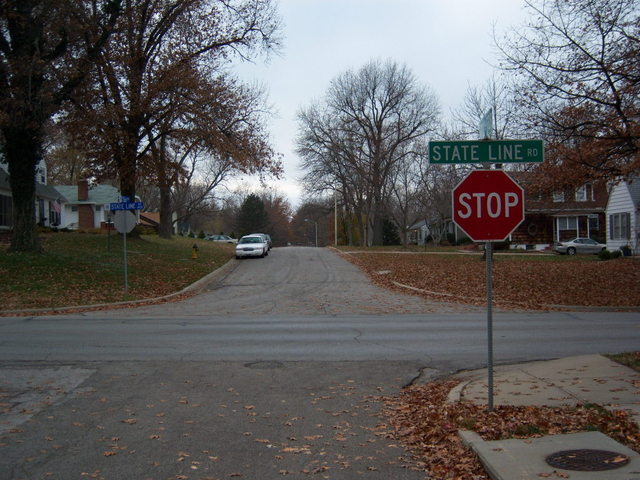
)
(126, 277)
(124, 225)
(488, 249)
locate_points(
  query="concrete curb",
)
(456, 392)
(194, 287)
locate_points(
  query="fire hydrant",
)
(194, 252)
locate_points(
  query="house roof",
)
(98, 194)
(42, 191)
(634, 190)
(47, 191)
(150, 218)
(596, 201)
(418, 225)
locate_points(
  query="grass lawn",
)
(85, 269)
(630, 359)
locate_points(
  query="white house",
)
(623, 215)
(83, 206)
(47, 199)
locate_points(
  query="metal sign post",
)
(488, 250)
(126, 273)
(124, 222)
(487, 204)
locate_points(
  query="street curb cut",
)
(456, 392)
(472, 440)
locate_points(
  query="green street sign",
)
(487, 151)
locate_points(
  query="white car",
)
(267, 238)
(579, 245)
(252, 246)
(221, 238)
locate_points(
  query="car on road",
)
(252, 246)
(267, 237)
(579, 245)
(221, 238)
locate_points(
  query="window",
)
(5, 211)
(567, 223)
(594, 222)
(558, 197)
(98, 208)
(581, 194)
(41, 212)
(74, 209)
(620, 226)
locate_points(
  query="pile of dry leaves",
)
(422, 420)
(547, 280)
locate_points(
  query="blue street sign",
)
(126, 206)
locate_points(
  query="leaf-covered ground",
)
(85, 269)
(425, 423)
(519, 281)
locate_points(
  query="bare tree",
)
(369, 120)
(406, 189)
(578, 67)
(496, 96)
(437, 182)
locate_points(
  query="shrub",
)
(504, 245)
(604, 255)
(144, 230)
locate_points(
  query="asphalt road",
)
(274, 370)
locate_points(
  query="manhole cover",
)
(587, 460)
(267, 365)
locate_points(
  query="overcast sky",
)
(447, 44)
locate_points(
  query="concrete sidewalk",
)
(564, 382)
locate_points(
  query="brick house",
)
(562, 215)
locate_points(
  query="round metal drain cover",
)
(587, 460)
(264, 365)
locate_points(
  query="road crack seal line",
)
(359, 334)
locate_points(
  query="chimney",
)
(83, 190)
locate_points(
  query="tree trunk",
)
(376, 223)
(22, 148)
(165, 229)
(128, 172)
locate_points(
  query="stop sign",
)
(488, 205)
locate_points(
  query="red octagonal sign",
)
(488, 205)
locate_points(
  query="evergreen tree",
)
(390, 234)
(252, 217)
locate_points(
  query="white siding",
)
(620, 202)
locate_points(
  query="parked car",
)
(267, 237)
(252, 246)
(579, 245)
(221, 238)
